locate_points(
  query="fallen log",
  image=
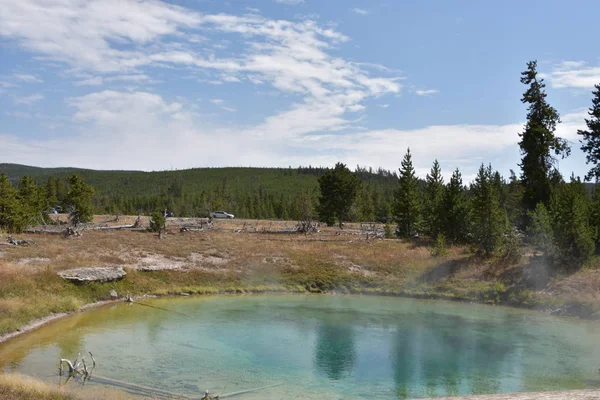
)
(106, 228)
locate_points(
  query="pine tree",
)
(540, 230)
(10, 208)
(79, 200)
(594, 218)
(488, 220)
(538, 140)
(31, 202)
(51, 195)
(407, 200)
(367, 206)
(339, 188)
(591, 137)
(157, 222)
(514, 200)
(456, 210)
(434, 201)
(574, 237)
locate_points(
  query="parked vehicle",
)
(221, 214)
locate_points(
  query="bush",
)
(512, 246)
(157, 222)
(388, 231)
(439, 248)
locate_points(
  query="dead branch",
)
(20, 242)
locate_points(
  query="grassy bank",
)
(222, 261)
(21, 387)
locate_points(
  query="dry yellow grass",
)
(21, 387)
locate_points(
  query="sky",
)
(154, 85)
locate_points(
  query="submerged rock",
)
(97, 274)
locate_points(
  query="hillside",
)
(246, 192)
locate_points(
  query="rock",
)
(97, 274)
(113, 294)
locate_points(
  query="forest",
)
(496, 215)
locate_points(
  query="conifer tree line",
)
(560, 219)
(29, 204)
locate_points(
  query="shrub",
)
(439, 248)
(157, 222)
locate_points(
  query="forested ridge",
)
(246, 192)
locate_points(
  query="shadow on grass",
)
(446, 269)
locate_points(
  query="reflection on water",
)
(334, 350)
(325, 347)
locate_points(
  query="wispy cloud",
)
(290, 2)
(217, 101)
(95, 81)
(428, 92)
(360, 11)
(573, 74)
(383, 105)
(28, 100)
(112, 122)
(27, 78)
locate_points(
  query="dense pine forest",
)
(497, 215)
(263, 193)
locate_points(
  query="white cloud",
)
(360, 11)
(18, 114)
(573, 74)
(383, 105)
(290, 2)
(217, 101)
(95, 81)
(27, 78)
(428, 92)
(6, 84)
(112, 124)
(28, 100)
(230, 109)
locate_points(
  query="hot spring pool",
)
(318, 347)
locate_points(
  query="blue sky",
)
(117, 84)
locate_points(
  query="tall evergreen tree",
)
(339, 188)
(514, 200)
(594, 218)
(591, 138)
(32, 204)
(488, 220)
(367, 206)
(434, 201)
(79, 200)
(10, 208)
(407, 200)
(538, 140)
(456, 210)
(51, 195)
(574, 237)
(541, 232)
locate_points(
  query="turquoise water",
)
(325, 347)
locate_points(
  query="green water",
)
(325, 347)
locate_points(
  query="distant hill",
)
(248, 192)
